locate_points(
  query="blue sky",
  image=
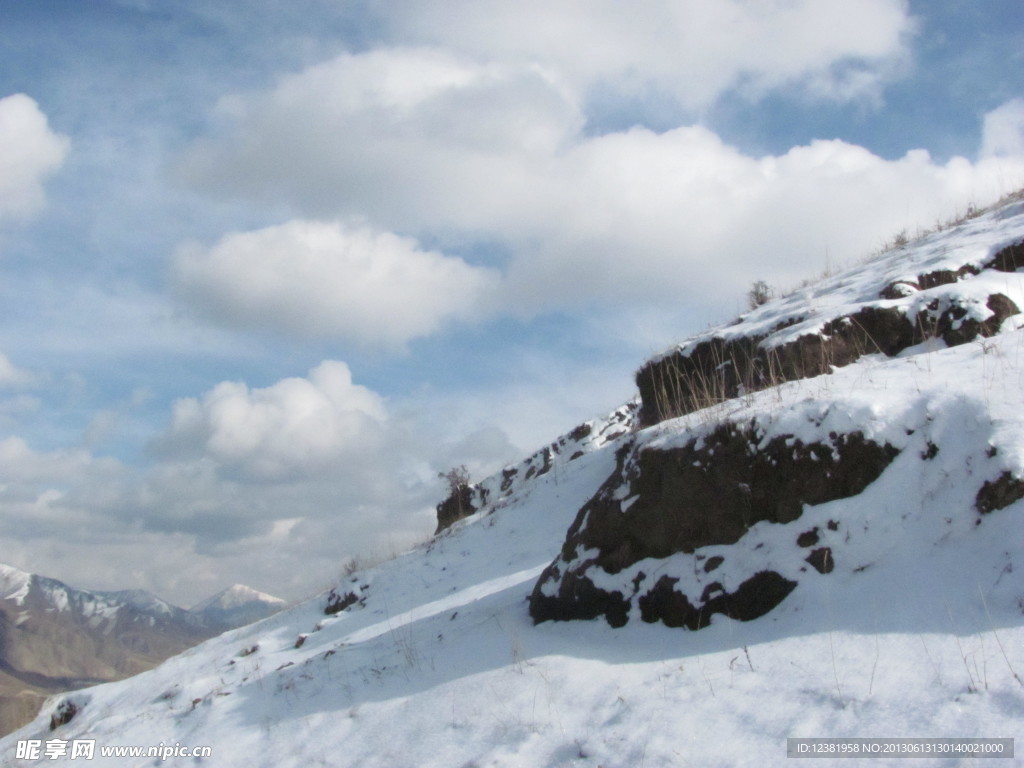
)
(268, 269)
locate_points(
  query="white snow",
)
(918, 632)
(14, 584)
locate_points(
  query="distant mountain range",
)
(54, 637)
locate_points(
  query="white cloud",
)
(683, 217)
(29, 152)
(49, 493)
(1002, 132)
(297, 427)
(693, 50)
(415, 136)
(330, 280)
(614, 220)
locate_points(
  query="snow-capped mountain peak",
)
(236, 606)
(235, 596)
(14, 584)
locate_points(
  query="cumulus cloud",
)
(682, 215)
(297, 427)
(29, 152)
(1002, 132)
(664, 218)
(330, 280)
(693, 50)
(409, 136)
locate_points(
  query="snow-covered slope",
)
(884, 496)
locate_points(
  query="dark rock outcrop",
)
(999, 493)
(708, 492)
(1008, 259)
(458, 505)
(63, 714)
(338, 602)
(751, 600)
(718, 368)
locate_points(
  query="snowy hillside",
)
(830, 551)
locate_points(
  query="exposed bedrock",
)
(719, 369)
(461, 502)
(708, 491)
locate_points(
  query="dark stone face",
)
(999, 493)
(458, 505)
(821, 559)
(1009, 259)
(708, 492)
(338, 602)
(752, 599)
(807, 538)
